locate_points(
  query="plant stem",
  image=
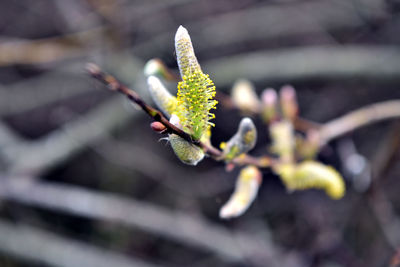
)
(359, 118)
(114, 85)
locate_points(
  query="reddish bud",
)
(289, 102)
(158, 126)
(229, 167)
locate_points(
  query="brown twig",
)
(359, 118)
(262, 162)
(381, 205)
(114, 85)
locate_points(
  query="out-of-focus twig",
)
(8, 136)
(297, 19)
(377, 63)
(385, 155)
(40, 246)
(48, 49)
(359, 118)
(124, 154)
(381, 205)
(38, 156)
(43, 90)
(171, 224)
(114, 85)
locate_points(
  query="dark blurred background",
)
(86, 182)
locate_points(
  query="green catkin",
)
(196, 90)
(187, 61)
(195, 93)
(188, 153)
(246, 188)
(242, 142)
(312, 174)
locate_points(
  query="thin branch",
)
(16, 99)
(40, 246)
(261, 162)
(68, 140)
(378, 200)
(8, 138)
(201, 184)
(114, 85)
(359, 118)
(23, 51)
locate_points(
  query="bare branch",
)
(38, 156)
(114, 85)
(43, 90)
(380, 204)
(23, 51)
(359, 118)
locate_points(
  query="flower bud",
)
(187, 152)
(269, 105)
(283, 141)
(157, 126)
(312, 174)
(244, 96)
(243, 141)
(289, 104)
(161, 96)
(246, 189)
(187, 61)
(196, 90)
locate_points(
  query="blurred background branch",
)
(193, 230)
(40, 246)
(83, 174)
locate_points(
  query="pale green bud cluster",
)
(242, 142)
(190, 110)
(196, 90)
(312, 174)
